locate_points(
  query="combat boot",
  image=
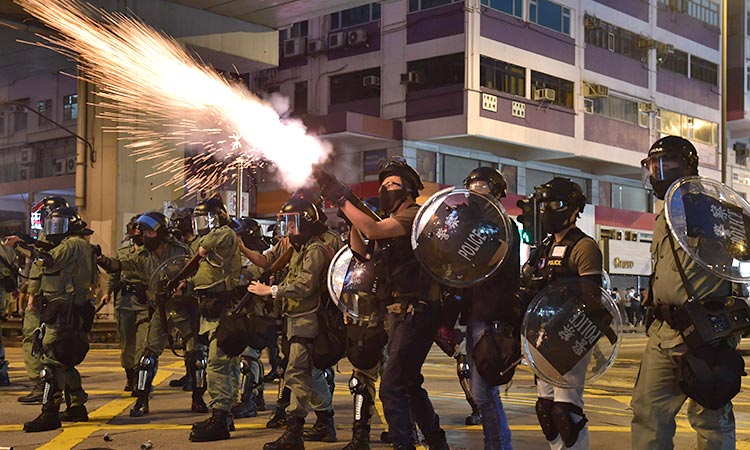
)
(292, 437)
(323, 430)
(436, 440)
(246, 407)
(130, 375)
(278, 419)
(4, 378)
(49, 419)
(474, 418)
(260, 402)
(199, 405)
(360, 436)
(35, 396)
(75, 414)
(214, 429)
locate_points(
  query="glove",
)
(97, 250)
(332, 189)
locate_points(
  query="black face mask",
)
(660, 188)
(391, 200)
(137, 239)
(152, 243)
(555, 221)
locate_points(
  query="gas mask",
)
(556, 216)
(391, 200)
(152, 243)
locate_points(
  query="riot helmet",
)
(63, 222)
(210, 214)
(42, 209)
(299, 219)
(154, 228)
(315, 198)
(669, 158)
(249, 230)
(560, 202)
(181, 225)
(393, 195)
(132, 232)
(492, 177)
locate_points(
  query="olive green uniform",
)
(214, 282)
(9, 256)
(31, 321)
(66, 284)
(131, 309)
(657, 396)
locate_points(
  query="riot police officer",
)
(128, 311)
(300, 293)
(412, 298)
(67, 313)
(567, 253)
(31, 320)
(492, 304)
(214, 284)
(8, 287)
(657, 396)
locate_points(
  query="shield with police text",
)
(461, 237)
(159, 279)
(711, 222)
(571, 333)
(352, 285)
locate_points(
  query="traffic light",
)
(528, 219)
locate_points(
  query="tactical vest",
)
(555, 262)
(398, 267)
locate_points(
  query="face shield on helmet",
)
(661, 170)
(288, 224)
(56, 225)
(203, 223)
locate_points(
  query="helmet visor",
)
(661, 168)
(201, 224)
(288, 224)
(479, 186)
(552, 205)
(56, 225)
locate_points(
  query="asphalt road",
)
(168, 425)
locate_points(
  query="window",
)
(703, 70)
(45, 109)
(693, 128)
(536, 178)
(426, 165)
(456, 168)
(370, 160)
(419, 5)
(615, 108)
(563, 88)
(300, 97)
(502, 76)
(740, 153)
(297, 30)
(348, 87)
(629, 198)
(613, 38)
(704, 10)
(550, 15)
(355, 16)
(438, 71)
(675, 62)
(70, 107)
(512, 7)
(510, 173)
(20, 118)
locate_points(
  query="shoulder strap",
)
(685, 282)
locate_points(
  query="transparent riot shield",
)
(461, 237)
(352, 285)
(711, 222)
(571, 333)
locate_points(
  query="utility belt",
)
(212, 305)
(67, 314)
(406, 304)
(137, 289)
(707, 321)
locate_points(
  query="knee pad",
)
(357, 384)
(462, 367)
(566, 424)
(544, 407)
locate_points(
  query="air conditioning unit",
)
(544, 95)
(15, 108)
(356, 38)
(665, 49)
(70, 164)
(411, 78)
(595, 90)
(315, 46)
(371, 81)
(28, 156)
(25, 173)
(645, 42)
(336, 40)
(647, 107)
(59, 166)
(294, 47)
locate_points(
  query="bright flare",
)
(161, 99)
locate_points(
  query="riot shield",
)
(167, 270)
(461, 237)
(711, 222)
(571, 333)
(352, 284)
